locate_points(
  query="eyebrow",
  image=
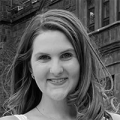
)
(68, 50)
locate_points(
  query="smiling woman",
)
(55, 73)
(56, 68)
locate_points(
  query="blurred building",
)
(100, 17)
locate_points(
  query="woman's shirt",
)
(113, 116)
(21, 117)
(24, 117)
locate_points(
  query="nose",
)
(56, 68)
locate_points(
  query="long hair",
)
(86, 97)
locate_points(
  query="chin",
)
(59, 97)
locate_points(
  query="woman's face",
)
(54, 64)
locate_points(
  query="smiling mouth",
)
(59, 81)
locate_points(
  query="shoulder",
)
(8, 118)
(115, 116)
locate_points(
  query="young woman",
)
(55, 73)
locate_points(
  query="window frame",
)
(118, 9)
(91, 9)
(105, 16)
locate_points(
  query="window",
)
(118, 9)
(91, 15)
(105, 12)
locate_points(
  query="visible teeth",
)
(58, 80)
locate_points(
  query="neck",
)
(56, 109)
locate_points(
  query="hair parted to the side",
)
(86, 96)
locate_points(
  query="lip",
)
(57, 78)
(54, 81)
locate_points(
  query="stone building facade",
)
(101, 18)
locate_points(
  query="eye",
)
(44, 58)
(66, 56)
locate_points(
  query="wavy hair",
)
(86, 97)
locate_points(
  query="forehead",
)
(50, 41)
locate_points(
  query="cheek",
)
(40, 72)
(75, 76)
(73, 68)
